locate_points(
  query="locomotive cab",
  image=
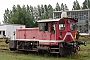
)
(67, 29)
(58, 29)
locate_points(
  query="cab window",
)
(72, 25)
(62, 25)
(46, 26)
(52, 28)
(43, 26)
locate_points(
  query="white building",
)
(8, 29)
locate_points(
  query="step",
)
(54, 52)
(54, 48)
(30, 50)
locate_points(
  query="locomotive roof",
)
(49, 20)
(53, 20)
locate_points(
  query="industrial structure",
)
(83, 17)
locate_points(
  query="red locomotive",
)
(52, 35)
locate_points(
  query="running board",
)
(55, 52)
(54, 48)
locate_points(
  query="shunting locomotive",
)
(57, 36)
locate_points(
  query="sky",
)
(4, 4)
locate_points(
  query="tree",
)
(50, 11)
(86, 4)
(76, 5)
(20, 15)
(57, 7)
(65, 7)
(46, 12)
(35, 13)
(62, 6)
(42, 12)
(6, 16)
(39, 10)
(31, 10)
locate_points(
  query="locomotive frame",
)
(53, 35)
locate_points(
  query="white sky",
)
(9, 3)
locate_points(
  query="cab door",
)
(44, 31)
(52, 31)
(62, 31)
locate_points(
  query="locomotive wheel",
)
(64, 51)
(6, 41)
(61, 52)
(61, 49)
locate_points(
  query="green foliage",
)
(20, 15)
(63, 7)
(86, 4)
(50, 11)
(46, 11)
(57, 7)
(6, 16)
(27, 15)
(76, 5)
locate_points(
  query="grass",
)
(19, 56)
(84, 54)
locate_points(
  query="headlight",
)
(74, 44)
(84, 43)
